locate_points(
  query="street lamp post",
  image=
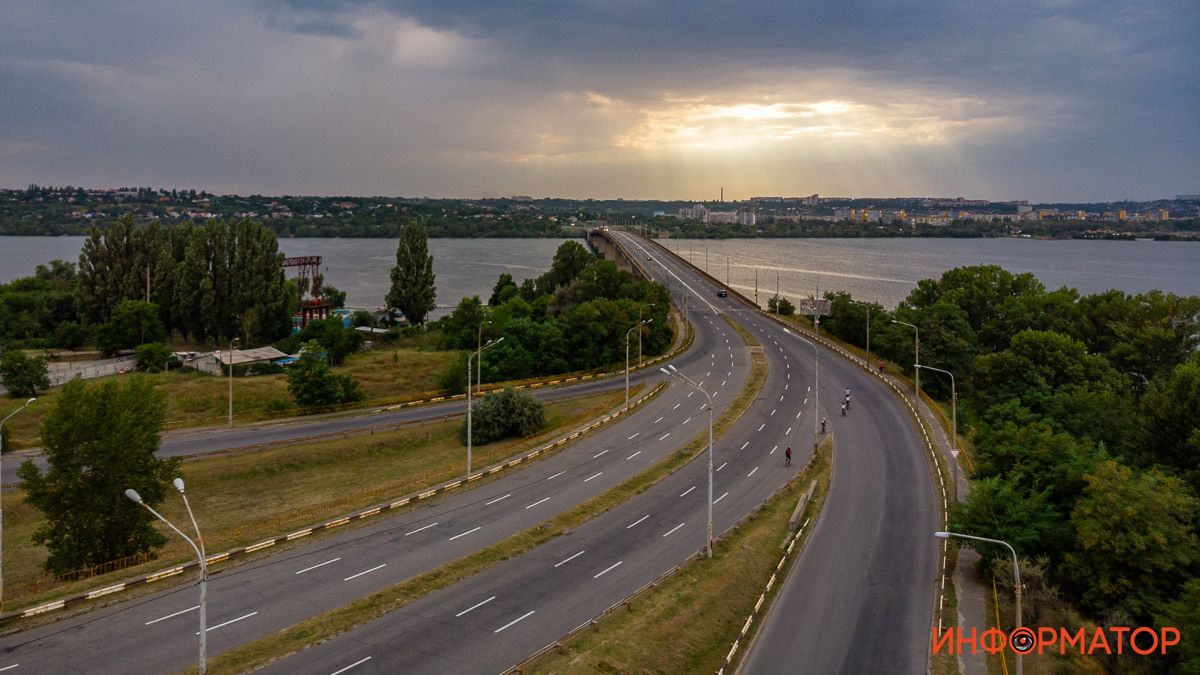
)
(135, 497)
(479, 352)
(816, 388)
(674, 372)
(953, 424)
(23, 406)
(916, 357)
(1016, 573)
(231, 381)
(636, 327)
(479, 362)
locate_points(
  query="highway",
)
(868, 571)
(247, 602)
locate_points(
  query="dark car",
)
(722, 294)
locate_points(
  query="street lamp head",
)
(665, 372)
(941, 535)
(178, 483)
(650, 320)
(133, 495)
(30, 401)
(787, 331)
(672, 367)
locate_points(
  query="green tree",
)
(333, 338)
(153, 357)
(98, 441)
(1184, 614)
(312, 383)
(780, 305)
(133, 323)
(569, 261)
(504, 289)
(504, 414)
(413, 290)
(1169, 432)
(23, 375)
(334, 296)
(1135, 542)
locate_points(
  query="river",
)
(880, 270)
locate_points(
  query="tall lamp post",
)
(199, 549)
(1016, 573)
(674, 372)
(635, 327)
(479, 362)
(953, 424)
(816, 387)
(478, 353)
(24, 406)
(916, 358)
(231, 381)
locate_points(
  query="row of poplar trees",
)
(221, 278)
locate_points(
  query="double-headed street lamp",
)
(199, 549)
(953, 423)
(635, 327)
(674, 372)
(24, 406)
(479, 362)
(1016, 573)
(477, 354)
(816, 387)
(916, 358)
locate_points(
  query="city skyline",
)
(1046, 101)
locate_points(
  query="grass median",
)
(699, 611)
(246, 498)
(313, 631)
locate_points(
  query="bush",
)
(133, 323)
(313, 383)
(453, 379)
(70, 335)
(23, 375)
(154, 357)
(507, 414)
(334, 339)
(781, 305)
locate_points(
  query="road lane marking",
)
(540, 501)
(598, 454)
(805, 401)
(773, 450)
(564, 562)
(222, 625)
(785, 387)
(515, 621)
(309, 569)
(475, 606)
(356, 663)
(419, 529)
(672, 530)
(687, 420)
(634, 455)
(685, 492)
(609, 569)
(556, 475)
(752, 472)
(747, 442)
(634, 436)
(172, 616)
(676, 406)
(17, 664)
(637, 522)
(788, 431)
(658, 420)
(591, 477)
(781, 398)
(690, 394)
(664, 436)
(773, 411)
(798, 414)
(497, 499)
(722, 466)
(473, 529)
(723, 496)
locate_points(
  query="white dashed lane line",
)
(473, 529)
(555, 475)
(540, 501)
(685, 493)
(633, 436)
(595, 475)
(420, 529)
(752, 472)
(515, 621)
(475, 606)
(307, 569)
(634, 455)
(773, 450)
(745, 444)
(637, 522)
(788, 431)
(244, 616)
(672, 530)
(608, 569)
(497, 499)
(664, 436)
(184, 611)
(722, 466)
(760, 427)
(723, 496)
(600, 454)
(569, 559)
(342, 670)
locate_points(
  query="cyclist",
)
(787, 456)
(843, 409)
(822, 425)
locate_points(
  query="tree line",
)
(1084, 412)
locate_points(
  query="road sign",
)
(954, 453)
(811, 307)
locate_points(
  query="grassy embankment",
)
(320, 628)
(242, 499)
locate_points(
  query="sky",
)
(1057, 100)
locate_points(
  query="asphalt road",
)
(157, 633)
(192, 442)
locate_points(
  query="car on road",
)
(722, 294)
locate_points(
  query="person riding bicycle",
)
(787, 457)
(843, 409)
(822, 425)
